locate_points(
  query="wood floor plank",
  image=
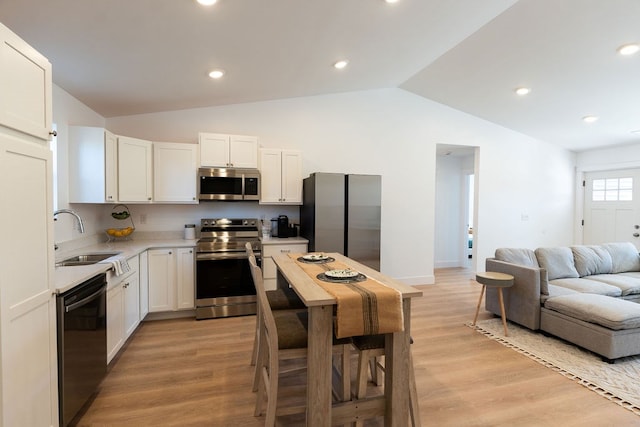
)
(185, 372)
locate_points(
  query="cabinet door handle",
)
(170, 252)
(285, 251)
(53, 133)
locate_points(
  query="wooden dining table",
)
(320, 410)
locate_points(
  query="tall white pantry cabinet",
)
(28, 361)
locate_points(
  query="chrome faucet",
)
(69, 211)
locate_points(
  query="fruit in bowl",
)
(120, 232)
(120, 215)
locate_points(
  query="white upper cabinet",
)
(93, 158)
(135, 170)
(228, 151)
(281, 176)
(25, 87)
(174, 172)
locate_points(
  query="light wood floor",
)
(196, 373)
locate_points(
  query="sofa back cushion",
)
(624, 256)
(590, 260)
(558, 261)
(524, 257)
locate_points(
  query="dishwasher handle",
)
(86, 300)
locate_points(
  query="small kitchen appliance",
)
(283, 226)
(280, 227)
(228, 184)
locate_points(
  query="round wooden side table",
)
(497, 280)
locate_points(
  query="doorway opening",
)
(455, 214)
(469, 190)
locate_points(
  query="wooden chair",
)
(371, 351)
(283, 336)
(279, 299)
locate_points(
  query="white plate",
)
(315, 257)
(341, 274)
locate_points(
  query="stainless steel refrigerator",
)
(341, 213)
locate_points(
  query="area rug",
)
(618, 382)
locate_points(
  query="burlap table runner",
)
(363, 308)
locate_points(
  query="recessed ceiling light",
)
(590, 119)
(391, 1)
(522, 91)
(629, 49)
(207, 2)
(635, 131)
(341, 64)
(216, 74)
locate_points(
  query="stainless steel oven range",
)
(223, 279)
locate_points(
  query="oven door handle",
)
(207, 256)
(86, 300)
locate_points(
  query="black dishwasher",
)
(82, 344)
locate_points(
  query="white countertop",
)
(65, 278)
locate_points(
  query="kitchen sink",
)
(85, 259)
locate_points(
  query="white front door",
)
(612, 207)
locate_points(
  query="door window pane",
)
(612, 190)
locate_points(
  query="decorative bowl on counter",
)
(119, 232)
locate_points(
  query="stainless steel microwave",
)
(228, 184)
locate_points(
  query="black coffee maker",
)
(282, 227)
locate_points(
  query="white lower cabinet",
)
(115, 321)
(123, 307)
(269, 269)
(131, 289)
(171, 279)
(144, 285)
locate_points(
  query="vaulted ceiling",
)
(123, 57)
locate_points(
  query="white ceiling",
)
(123, 57)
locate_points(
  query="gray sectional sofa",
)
(587, 295)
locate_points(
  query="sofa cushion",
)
(612, 313)
(624, 256)
(627, 284)
(587, 286)
(558, 261)
(555, 291)
(635, 274)
(519, 256)
(591, 260)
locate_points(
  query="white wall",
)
(621, 157)
(394, 133)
